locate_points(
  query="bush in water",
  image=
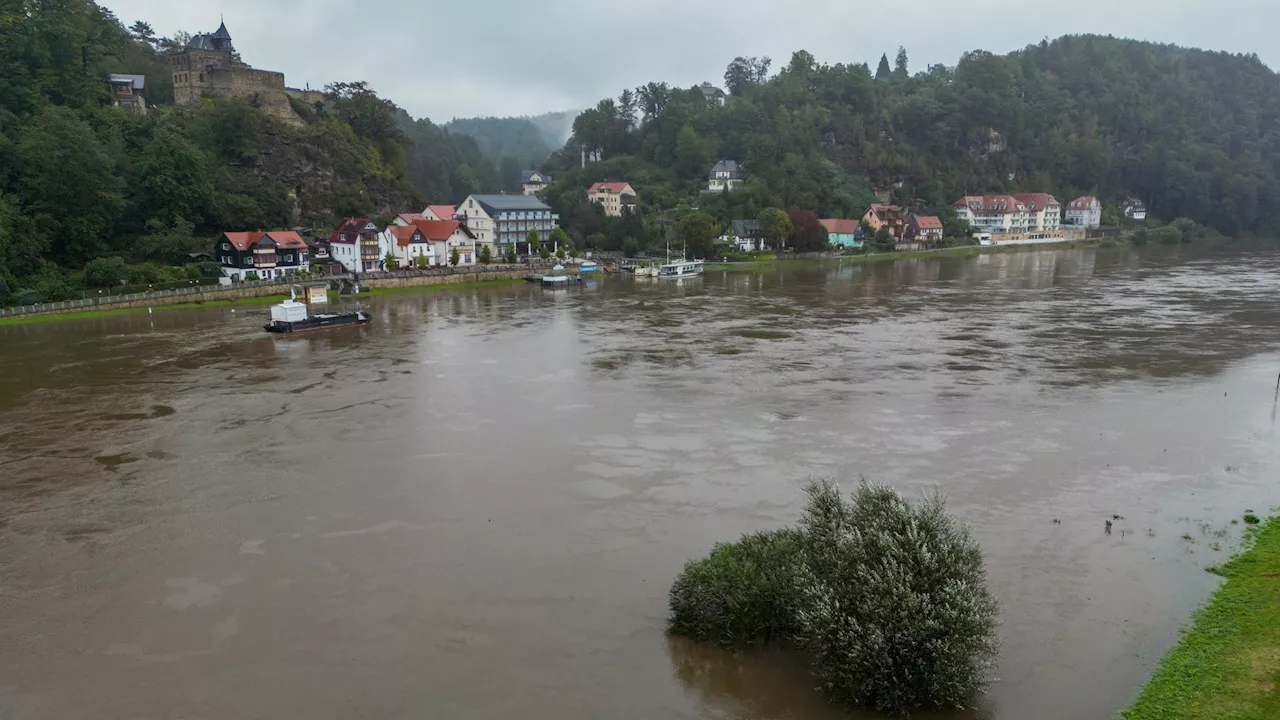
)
(889, 600)
(740, 593)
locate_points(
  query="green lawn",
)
(1227, 664)
(879, 257)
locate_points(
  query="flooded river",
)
(474, 507)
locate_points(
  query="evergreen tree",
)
(883, 71)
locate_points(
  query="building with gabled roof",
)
(1085, 212)
(923, 229)
(725, 175)
(359, 244)
(713, 94)
(267, 255)
(890, 217)
(614, 197)
(843, 232)
(209, 66)
(536, 181)
(503, 221)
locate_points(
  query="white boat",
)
(682, 269)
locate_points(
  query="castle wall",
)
(202, 73)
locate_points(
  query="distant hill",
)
(529, 139)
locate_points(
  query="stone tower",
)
(209, 66)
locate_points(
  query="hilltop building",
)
(725, 175)
(209, 66)
(614, 197)
(126, 92)
(535, 182)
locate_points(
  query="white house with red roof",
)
(260, 255)
(445, 236)
(438, 212)
(406, 219)
(1045, 211)
(994, 214)
(1085, 212)
(359, 244)
(615, 197)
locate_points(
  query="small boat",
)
(681, 269)
(588, 267)
(291, 316)
(561, 280)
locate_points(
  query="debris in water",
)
(1108, 527)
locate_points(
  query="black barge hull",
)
(319, 321)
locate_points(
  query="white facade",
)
(479, 221)
(1084, 212)
(725, 176)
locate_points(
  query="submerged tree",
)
(889, 600)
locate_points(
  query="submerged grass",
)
(882, 257)
(1227, 664)
(263, 300)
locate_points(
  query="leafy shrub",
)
(740, 593)
(106, 272)
(1251, 519)
(486, 256)
(888, 599)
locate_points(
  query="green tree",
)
(775, 225)
(692, 157)
(390, 262)
(485, 256)
(454, 257)
(67, 183)
(882, 70)
(560, 240)
(173, 179)
(698, 231)
(900, 66)
(630, 248)
(534, 241)
(105, 272)
(511, 254)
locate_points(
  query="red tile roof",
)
(440, 230)
(609, 187)
(1037, 201)
(282, 238)
(991, 204)
(1082, 203)
(444, 212)
(840, 227)
(927, 222)
(349, 230)
(404, 234)
(408, 218)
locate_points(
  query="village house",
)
(843, 233)
(1135, 210)
(319, 255)
(1044, 212)
(993, 214)
(536, 181)
(614, 197)
(438, 212)
(126, 92)
(445, 236)
(261, 255)
(1085, 212)
(891, 217)
(726, 175)
(430, 243)
(925, 229)
(713, 94)
(743, 235)
(503, 221)
(359, 245)
(406, 219)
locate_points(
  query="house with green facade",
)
(843, 233)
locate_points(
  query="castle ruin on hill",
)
(209, 66)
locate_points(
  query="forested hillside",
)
(81, 180)
(516, 144)
(1194, 134)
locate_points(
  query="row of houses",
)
(429, 238)
(906, 228)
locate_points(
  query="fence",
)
(109, 300)
(282, 283)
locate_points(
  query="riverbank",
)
(1227, 664)
(962, 251)
(259, 300)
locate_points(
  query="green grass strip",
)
(1227, 664)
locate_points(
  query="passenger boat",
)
(681, 269)
(292, 316)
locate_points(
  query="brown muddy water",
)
(474, 507)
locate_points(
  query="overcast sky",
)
(444, 59)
